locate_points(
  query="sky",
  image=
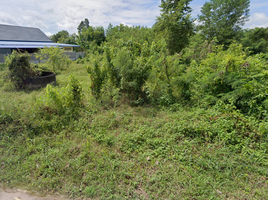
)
(52, 16)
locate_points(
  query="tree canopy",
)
(83, 24)
(175, 24)
(60, 36)
(223, 19)
(256, 40)
(139, 34)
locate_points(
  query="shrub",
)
(62, 100)
(165, 84)
(19, 68)
(231, 74)
(97, 76)
(131, 64)
(126, 68)
(54, 56)
(2, 66)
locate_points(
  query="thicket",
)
(202, 75)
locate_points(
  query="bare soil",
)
(18, 194)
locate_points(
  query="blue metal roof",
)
(32, 45)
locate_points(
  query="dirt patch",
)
(18, 194)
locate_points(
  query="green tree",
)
(72, 39)
(82, 25)
(86, 23)
(256, 40)
(175, 24)
(60, 36)
(138, 34)
(90, 37)
(223, 19)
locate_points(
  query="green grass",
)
(123, 152)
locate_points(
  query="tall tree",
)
(175, 23)
(86, 23)
(83, 24)
(223, 19)
(80, 27)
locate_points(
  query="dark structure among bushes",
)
(42, 81)
(28, 39)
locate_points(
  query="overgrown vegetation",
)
(135, 119)
(19, 68)
(54, 58)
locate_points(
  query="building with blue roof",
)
(29, 39)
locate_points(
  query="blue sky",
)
(52, 16)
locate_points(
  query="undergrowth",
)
(138, 123)
(83, 149)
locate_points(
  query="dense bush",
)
(73, 136)
(230, 74)
(200, 75)
(19, 68)
(62, 100)
(137, 34)
(126, 67)
(256, 40)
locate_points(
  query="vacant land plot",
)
(111, 150)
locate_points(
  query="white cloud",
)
(129, 25)
(257, 20)
(7, 19)
(55, 15)
(33, 19)
(48, 34)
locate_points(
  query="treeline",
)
(220, 21)
(92, 38)
(177, 61)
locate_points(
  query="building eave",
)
(30, 45)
